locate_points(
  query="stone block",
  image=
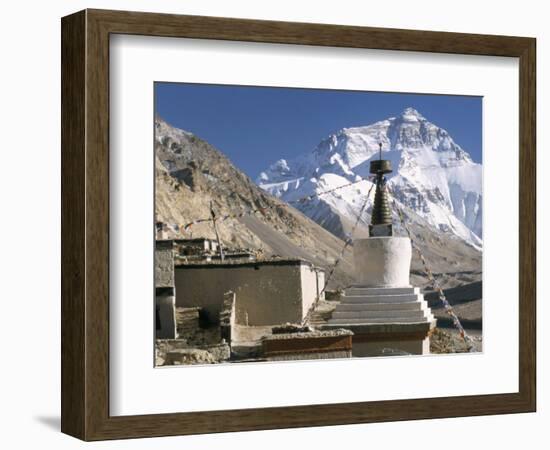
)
(308, 345)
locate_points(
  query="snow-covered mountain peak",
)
(432, 175)
(411, 115)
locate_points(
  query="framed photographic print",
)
(271, 225)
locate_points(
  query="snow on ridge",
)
(433, 175)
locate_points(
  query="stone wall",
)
(267, 293)
(165, 312)
(228, 317)
(313, 280)
(187, 320)
(164, 264)
(308, 345)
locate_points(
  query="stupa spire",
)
(381, 222)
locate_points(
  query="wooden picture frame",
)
(85, 224)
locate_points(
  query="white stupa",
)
(387, 315)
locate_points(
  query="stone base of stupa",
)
(385, 321)
(385, 313)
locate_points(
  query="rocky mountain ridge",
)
(434, 180)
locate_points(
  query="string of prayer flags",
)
(448, 308)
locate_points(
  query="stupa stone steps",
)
(394, 298)
(317, 319)
(361, 290)
(385, 315)
(361, 305)
(408, 306)
(369, 320)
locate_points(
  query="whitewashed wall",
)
(267, 294)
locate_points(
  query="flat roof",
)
(181, 240)
(199, 239)
(230, 263)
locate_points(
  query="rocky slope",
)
(190, 174)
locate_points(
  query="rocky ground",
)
(175, 352)
(447, 340)
(198, 342)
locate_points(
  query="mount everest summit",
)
(435, 182)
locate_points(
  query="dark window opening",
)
(157, 318)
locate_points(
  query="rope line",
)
(348, 241)
(441, 294)
(312, 196)
(185, 227)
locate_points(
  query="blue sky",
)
(255, 126)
